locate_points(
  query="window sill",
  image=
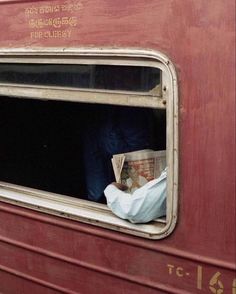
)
(79, 210)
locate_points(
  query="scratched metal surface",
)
(62, 255)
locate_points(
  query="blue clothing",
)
(112, 130)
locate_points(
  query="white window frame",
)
(83, 210)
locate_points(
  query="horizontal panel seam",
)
(166, 289)
(122, 239)
(83, 264)
(36, 280)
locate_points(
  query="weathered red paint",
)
(45, 254)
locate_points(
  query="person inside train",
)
(112, 130)
(143, 205)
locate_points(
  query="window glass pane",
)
(103, 77)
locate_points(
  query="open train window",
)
(42, 134)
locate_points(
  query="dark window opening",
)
(43, 142)
(100, 77)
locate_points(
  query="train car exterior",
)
(51, 243)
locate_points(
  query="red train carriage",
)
(63, 61)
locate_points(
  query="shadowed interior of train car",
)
(42, 142)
